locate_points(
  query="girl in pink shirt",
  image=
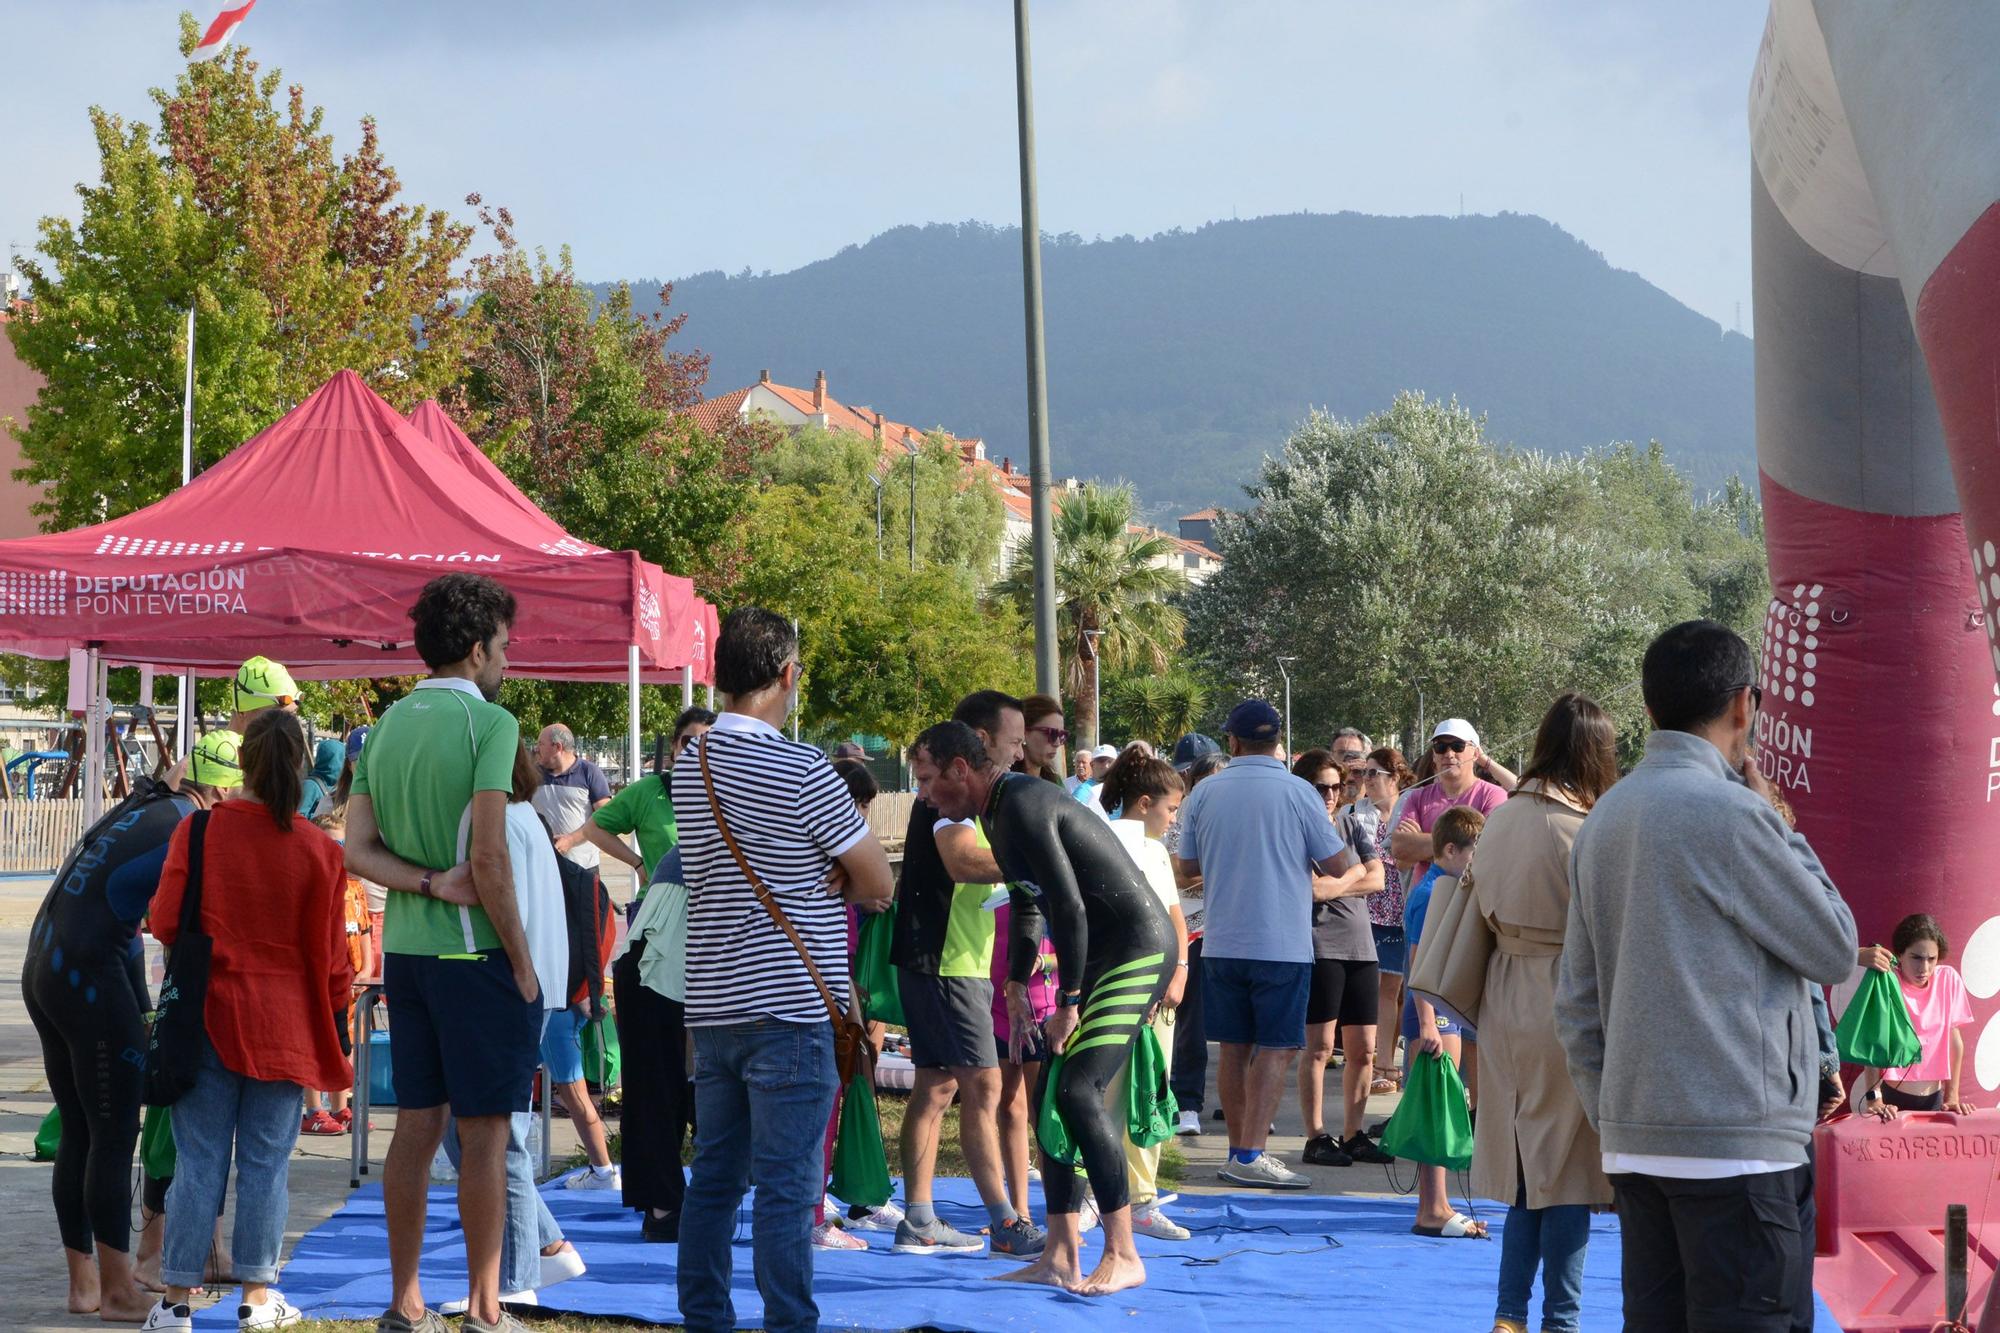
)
(1938, 1009)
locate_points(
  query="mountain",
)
(1177, 361)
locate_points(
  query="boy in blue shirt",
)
(1424, 1029)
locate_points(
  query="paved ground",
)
(320, 1167)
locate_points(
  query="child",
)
(1938, 1009)
(337, 1117)
(1149, 793)
(862, 787)
(1452, 840)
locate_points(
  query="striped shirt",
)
(792, 815)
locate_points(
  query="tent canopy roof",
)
(309, 543)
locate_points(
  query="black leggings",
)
(1117, 995)
(659, 1099)
(93, 1032)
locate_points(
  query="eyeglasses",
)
(1349, 756)
(1756, 694)
(1366, 773)
(1447, 744)
(1056, 735)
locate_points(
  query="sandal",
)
(1457, 1227)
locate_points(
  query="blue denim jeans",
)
(1554, 1240)
(530, 1226)
(260, 1121)
(763, 1092)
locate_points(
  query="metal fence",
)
(35, 836)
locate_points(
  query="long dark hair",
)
(527, 775)
(1576, 749)
(274, 764)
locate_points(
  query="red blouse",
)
(274, 903)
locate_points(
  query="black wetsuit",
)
(84, 984)
(1112, 939)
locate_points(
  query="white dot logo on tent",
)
(1979, 964)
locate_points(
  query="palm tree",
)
(1113, 582)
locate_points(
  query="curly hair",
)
(455, 613)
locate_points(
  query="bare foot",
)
(1114, 1273)
(130, 1306)
(83, 1300)
(1046, 1271)
(84, 1281)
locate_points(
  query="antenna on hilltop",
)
(1739, 317)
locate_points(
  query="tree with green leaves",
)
(298, 261)
(1415, 570)
(1159, 709)
(1116, 590)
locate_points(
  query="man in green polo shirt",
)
(430, 790)
(646, 808)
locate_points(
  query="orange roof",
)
(1195, 549)
(713, 414)
(1204, 514)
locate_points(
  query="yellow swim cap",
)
(218, 759)
(261, 683)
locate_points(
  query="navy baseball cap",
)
(355, 740)
(1253, 720)
(1192, 747)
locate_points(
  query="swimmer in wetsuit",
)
(1115, 950)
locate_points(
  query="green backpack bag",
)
(860, 1166)
(1875, 1029)
(1149, 1101)
(1431, 1124)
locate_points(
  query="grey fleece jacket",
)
(1696, 922)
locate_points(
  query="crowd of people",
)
(1047, 922)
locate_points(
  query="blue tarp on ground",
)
(1258, 1262)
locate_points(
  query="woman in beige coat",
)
(1533, 1145)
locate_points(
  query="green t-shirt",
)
(420, 767)
(969, 928)
(644, 808)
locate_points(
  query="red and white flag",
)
(219, 32)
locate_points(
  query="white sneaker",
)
(560, 1267)
(1150, 1221)
(164, 1316)
(459, 1307)
(590, 1179)
(827, 1236)
(884, 1218)
(1035, 1173)
(275, 1312)
(1086, 1215)
(1190, 1125)
(1265, 1173)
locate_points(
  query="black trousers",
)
(1714, 1256)
(1190, 1076)
(659, 1093)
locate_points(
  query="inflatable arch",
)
(1875, 133)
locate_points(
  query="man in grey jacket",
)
(1697, 924)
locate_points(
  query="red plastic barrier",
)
(1882, 1191)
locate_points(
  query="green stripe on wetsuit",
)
(1117, 1003)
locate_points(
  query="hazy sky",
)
(661, 139)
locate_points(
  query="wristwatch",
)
(1069, 999)
(424, 884)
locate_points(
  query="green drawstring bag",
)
(156, 1143)
(874, 974)
(860, 1166)
(49, 1137)
(1431, 1124)
(1875, 1030)
(1149, 1103)
(601, 1056)
(1049, 1126)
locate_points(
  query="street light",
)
(1090, 638)
(1288, 705)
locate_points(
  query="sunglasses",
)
(1326, 789)
(1447, 744)
(1367, 773)
(1756, 694)
(1056, 735)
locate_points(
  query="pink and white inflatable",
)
(1875, 128)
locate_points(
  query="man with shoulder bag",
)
(773, 849)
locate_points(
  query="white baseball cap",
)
(1105, 752)
(1458, 728)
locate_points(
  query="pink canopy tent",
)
(309, 543)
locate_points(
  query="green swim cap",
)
(218, 759)
(261, 683)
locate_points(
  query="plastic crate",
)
(381, 1071)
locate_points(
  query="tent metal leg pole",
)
(632, 714)
(93, 738)
(184, 714)
(687, 686)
